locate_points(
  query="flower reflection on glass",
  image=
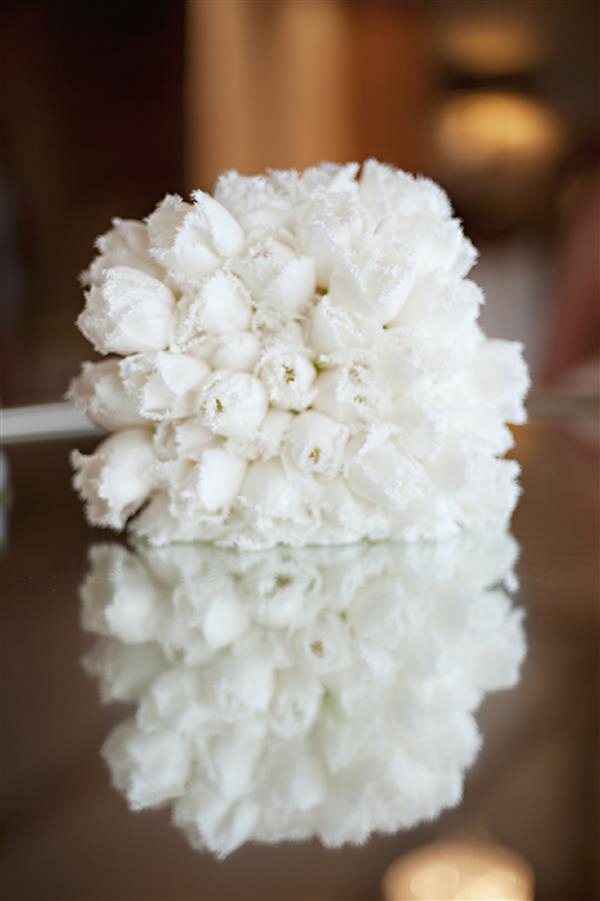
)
(293, 693)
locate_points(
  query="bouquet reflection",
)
(293, 693)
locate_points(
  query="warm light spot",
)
(315, 454)
(465, 870)
(317, 648)
(491, 44)
(480, 128)
(435, 881)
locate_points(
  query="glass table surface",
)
(533, 785)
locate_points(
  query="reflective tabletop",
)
(194, 723)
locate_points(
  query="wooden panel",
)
(266, 86)
(390, 82)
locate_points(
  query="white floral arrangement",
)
(297, 693)
(296, 359)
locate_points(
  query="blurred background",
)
(108, 106)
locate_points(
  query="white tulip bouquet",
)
(296, 360)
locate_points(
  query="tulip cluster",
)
(292, 693)
(296, 360)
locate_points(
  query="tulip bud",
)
(127, 312)
(126, 244)
(166, 385)
(288, 377)
(315, 443)
(234, 404)
(117, 478)
(192, 240)
(99, 391)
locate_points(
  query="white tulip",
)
(267, 491)
(379, 472)
(297, 701)
(315, 443)
(332, 329)
(277, 276)
(330, 227)
(234, 404)
(350, 393)
(266, 442)
(438, 245)
(126, 244)
(257, 202)
(150, 768)
(288, 377)
(220, 306)
(502, 378)
(232, 756)
(267, 203)
(238, 352)
(127, 312)
(274, 328)
(448, 307)
(392, 190)
(192, 240)
(99, 391)
(183, 439)
(215, 481)
(372, 287)
(166, 385)
(117, 478)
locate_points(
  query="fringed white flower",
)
(128, 311)
(234, 404)
(192, 240)
(117, 478)
(288, 377)
(166, 385)
(100, 391)
(315, 444)
(126, 244)
(221, 306)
